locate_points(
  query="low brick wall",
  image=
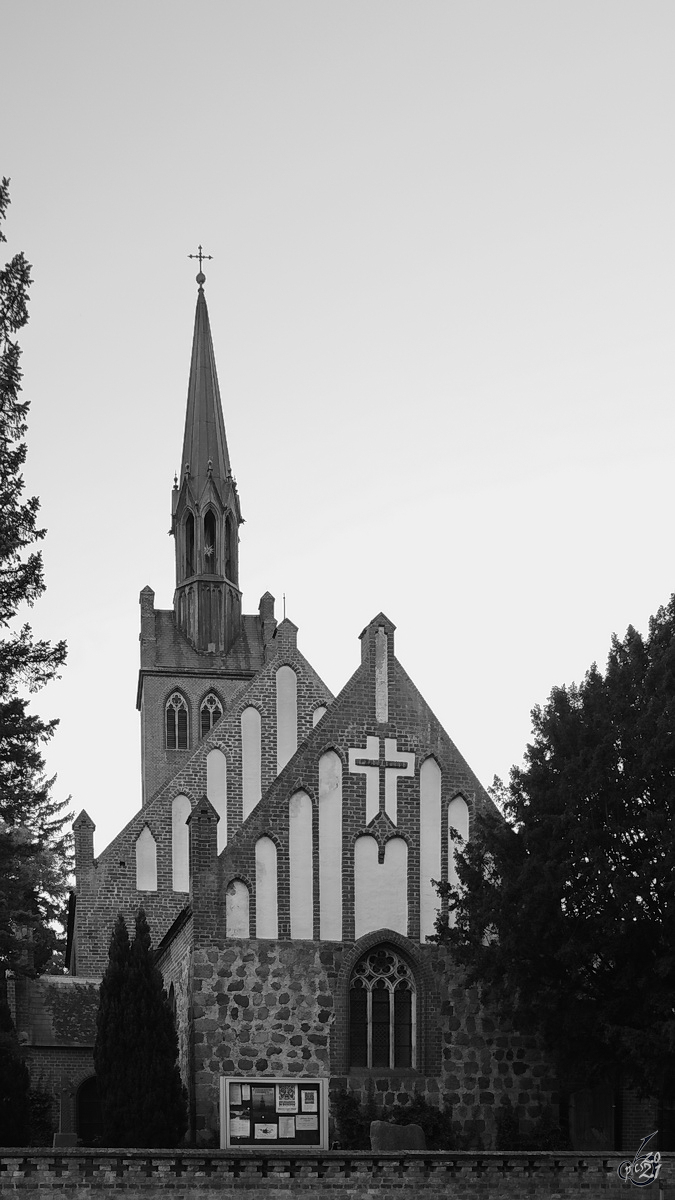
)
(83, 1174)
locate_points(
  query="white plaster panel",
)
(318, 714)
(301, 865)
(216, 790)
(372, 774)
(392, 774)
(251, 741)
(330, 846)
(180, 844)
(236, 910)
(380, 889)
(430, 844)
(266, 918)
(458, 819)
(287, 715)
(381, 677)
(146, 861)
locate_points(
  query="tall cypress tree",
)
(143, 1100)
(111, 1050)
(34, 845)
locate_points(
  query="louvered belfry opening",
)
(211, 711)
(176, 723)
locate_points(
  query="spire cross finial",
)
(200, 256)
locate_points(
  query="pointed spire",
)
(205, 453)
(205, 511)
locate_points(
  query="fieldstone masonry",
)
(262, 1008)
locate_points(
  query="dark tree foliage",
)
(143, 1100)
(14, 1085)
(34, 854)
(565, 914)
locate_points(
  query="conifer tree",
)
(14, 1085)
(111, 1049)
(34, 854)
(565, 913)
(143, 1100)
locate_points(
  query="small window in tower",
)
(228, 549)
(211, 711)
(210, 543)
(189, 545)
(176, 723)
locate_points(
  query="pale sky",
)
(442, 300)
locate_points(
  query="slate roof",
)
(204, 440)
(174, 653)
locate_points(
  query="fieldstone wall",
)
(265, 1008)
(141, 1175)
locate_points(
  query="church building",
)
(284, 854)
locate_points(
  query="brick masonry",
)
(107, 885)
(140, 1175)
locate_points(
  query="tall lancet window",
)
(210, 543)
(211, 711)
(176, 723)
(189, 545)
(382, 1011)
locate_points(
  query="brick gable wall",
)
(108, 886)
(347, 723)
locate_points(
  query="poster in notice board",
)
(273, 1112)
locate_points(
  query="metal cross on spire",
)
(201, 257)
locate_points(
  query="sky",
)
(441, 297)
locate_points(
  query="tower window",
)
(382, 1011)
(228, 549)
(210, 543)
(189, 545)
(176, 723)
(211, 711)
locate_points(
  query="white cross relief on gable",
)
(382, 768)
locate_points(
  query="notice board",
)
(273, 1112)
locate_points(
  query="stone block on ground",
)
(386, 1135)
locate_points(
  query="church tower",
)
(197, 656)
(205, 512)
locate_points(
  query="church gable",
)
(361, 819)
(147, 863)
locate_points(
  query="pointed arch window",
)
(382, 1011)
(210, 712)
(189, 545)
(210, 543)
(176, 719)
